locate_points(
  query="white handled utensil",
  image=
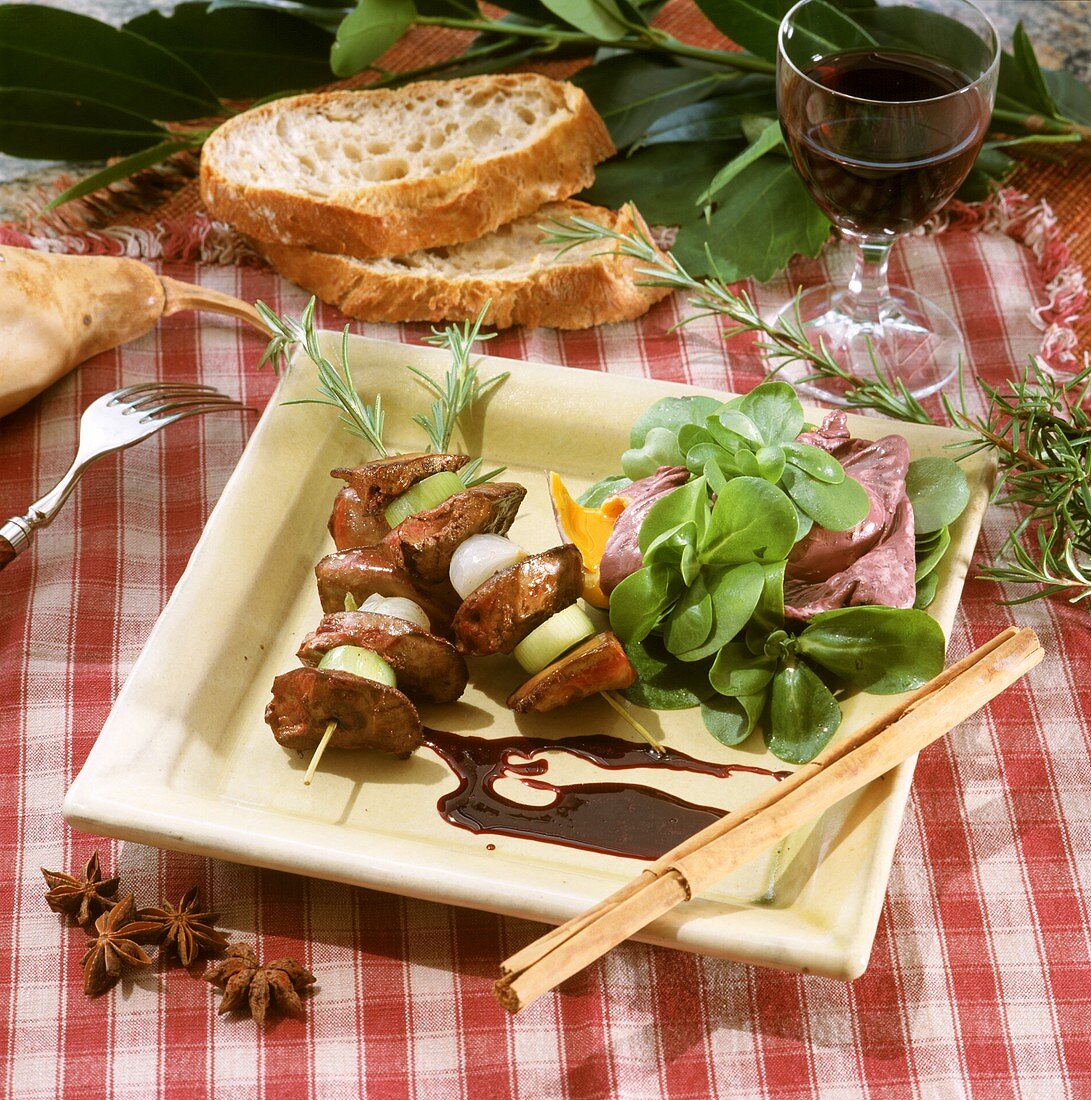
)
(115, 421)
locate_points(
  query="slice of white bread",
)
(525, 280)
(385, 172)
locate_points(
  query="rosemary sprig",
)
(783, 342)
(334, 382)
(470, 477)
(460, 389)
(461, 385)
(1040, 430)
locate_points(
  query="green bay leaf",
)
(598, 18)
(59, 51)
(761, 221)
(663, 180)
(632, 92)
(368, 31)
(243, 52)
(59, 126)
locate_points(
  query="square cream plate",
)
(186, 761)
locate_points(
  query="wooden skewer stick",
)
(638, 726)
(913, 722)
(331, 725)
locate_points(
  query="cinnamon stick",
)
(912, 723)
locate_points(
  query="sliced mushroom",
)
(357, 518)
(502, 611)
(428, 540)
(365, 571)
(428, 667)
(368, 714)
(600, 664)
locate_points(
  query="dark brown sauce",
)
(619, 819)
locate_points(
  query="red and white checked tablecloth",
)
(980, 980)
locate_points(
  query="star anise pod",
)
(115, 947)
(244, 982)
(83, 898)
(184, 928)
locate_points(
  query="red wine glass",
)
(883, 116)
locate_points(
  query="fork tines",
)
(179, 410)
(129, 394)
(164, 403)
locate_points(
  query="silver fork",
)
(115, 421)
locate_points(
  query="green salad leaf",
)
(836, 506)
(752, 521)
(642, 599)
(939, 492)
(803, 714)
(703, 620)
(930, 553)
(735, 592)
(601, 491)
(732, 720)
(881, 650)
(663, 683)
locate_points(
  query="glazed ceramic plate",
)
(212, 779)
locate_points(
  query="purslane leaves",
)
(881, 650)
(704, 618)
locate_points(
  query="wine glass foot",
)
(910, 339)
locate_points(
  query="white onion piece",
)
(398, 607)
(479, 557)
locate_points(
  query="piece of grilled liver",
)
(368, 714)
(428, 667)
(350, 526)
(600, 664)
(357, 518)
(502, 611)
(364, 571)
(428, 540)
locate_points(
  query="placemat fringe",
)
(1034, 225)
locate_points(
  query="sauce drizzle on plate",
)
(621, 819)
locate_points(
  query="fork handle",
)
(14, 539)
(15, 533)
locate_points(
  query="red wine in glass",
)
(871, 167)
(882, 134)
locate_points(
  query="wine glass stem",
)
(868, 292)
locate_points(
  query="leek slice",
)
(557, 635)
(360, 662)
(430, 492)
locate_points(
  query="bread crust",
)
(391, 219)
(599, 290)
